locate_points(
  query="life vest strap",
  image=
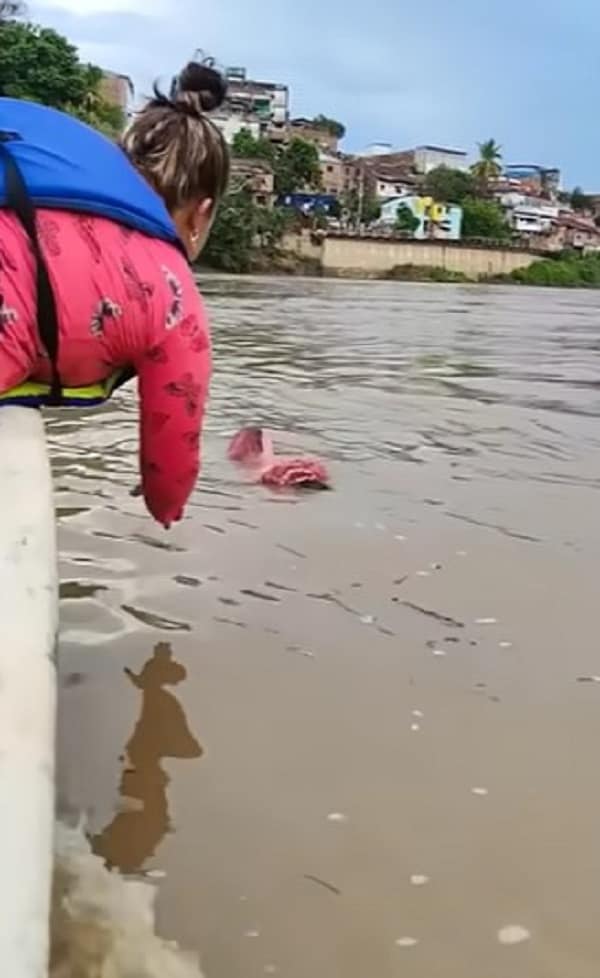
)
(19, 201)
(35, 394)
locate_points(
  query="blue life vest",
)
(50, 159)
(70, 166)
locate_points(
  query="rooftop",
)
(443, 149)
(567, 219)
(395, 175)
(532, 168)
(250, 165)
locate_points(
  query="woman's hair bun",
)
(200, 83)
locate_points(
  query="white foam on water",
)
(103, 924)
(513, 934)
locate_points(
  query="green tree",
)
(331, 126)
(335, 209)
(578, 200)
(244, 231)
(488, 166)
(320, 218)
(39, 64)
(95, 110)
(361, 211)
(272, 223)
(448, 186)
(406, 221)
(231, 241)
(246, 146)
(484, 219)
(297, 167)
(371, 209)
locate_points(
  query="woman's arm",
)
(173, 379)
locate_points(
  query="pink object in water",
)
(253, 448)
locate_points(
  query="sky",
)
(454, 74)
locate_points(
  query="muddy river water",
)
(353, 734)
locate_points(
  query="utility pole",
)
(361, 194)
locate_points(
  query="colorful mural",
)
(437, 221)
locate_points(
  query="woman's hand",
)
(139, 491)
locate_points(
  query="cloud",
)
(406, 74)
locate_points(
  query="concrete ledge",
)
(28, 628)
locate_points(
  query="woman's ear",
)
(193, 222)
(200, 220)
(201, 216)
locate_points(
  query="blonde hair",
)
(174, 144)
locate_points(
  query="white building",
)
(230, 125)
(527, 214)
(267, 102)
(428, 158)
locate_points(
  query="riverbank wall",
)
(344, 256)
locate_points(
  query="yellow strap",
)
(38, 391)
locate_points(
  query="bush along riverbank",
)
(569, 270)
(247, 239)
(424, 273)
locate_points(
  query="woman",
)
(125, 299)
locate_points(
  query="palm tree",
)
(488, 166)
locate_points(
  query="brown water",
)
(257, 703)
